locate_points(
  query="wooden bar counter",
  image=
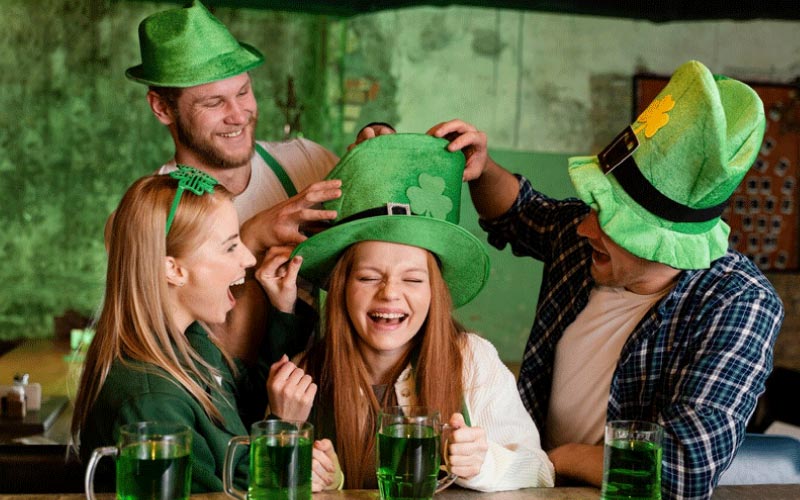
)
(757, 492)
(47, 363)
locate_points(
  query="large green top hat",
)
(660, 187)
(401, 188)
(187, 47)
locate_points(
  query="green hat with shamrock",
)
(401, 188)
(660, 187)
(189, 46)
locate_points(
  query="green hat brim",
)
(464, 261)
(222, 67)
(679, 245)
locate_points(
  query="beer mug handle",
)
(446, 481)
(230, 465)
(88, 478)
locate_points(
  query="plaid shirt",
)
(696, 363)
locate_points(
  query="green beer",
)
(408, 461)
(154, 470)
(632, 470)
(280, 468)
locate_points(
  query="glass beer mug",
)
(280, 461)
(153, 461)
(409, 453)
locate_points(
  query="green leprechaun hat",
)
(401, 188)
(187, 47)
(660, 187)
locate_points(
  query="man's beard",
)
(205, 149)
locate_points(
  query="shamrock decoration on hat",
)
(655, 116)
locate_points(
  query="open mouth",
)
(387, 318)
(231, 298)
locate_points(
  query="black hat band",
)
(617, 159)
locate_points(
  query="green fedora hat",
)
(401, 188)
(660, 187)
(189, 46)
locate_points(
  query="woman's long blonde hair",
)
(134, 324)
(345, 388)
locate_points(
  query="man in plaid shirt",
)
(644, 312)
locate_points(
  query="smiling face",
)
(388, 295)
(211, 268)
(215, 123)
(614, 266)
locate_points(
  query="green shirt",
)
(134, 391)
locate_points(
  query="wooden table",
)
(45, 361)
(758, 492)
(32, 461)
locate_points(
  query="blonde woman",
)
(174, 254)
(395, 264)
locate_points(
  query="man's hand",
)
(278, 276)
(283, 224)
(575, 462)
(291, 391)
(492, 188)
(372, 130)
(467, 448)
(465, 137)
(326, 474)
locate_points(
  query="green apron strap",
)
(276, 167)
